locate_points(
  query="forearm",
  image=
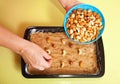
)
(12, 41)
(32, 54)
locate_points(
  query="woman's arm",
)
(32, 54)
(67, 4)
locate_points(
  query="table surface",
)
(16, 15)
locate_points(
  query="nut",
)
(70, 62)
(78, 25)
(75, 21)
(94, 13)
(89, 13)
(62, 64)
(70, 44)
(72, 36)
(70, 31)
(81, 15)
(100, 24)
(84, 25)
(63, 41)
(72, 26)
(74, 11)
(75, 38)
(78, 37)
(92, 18)
(81, 23)
(97, 33)
(89, 38)
(78, 11)
(63, 52)
(77, 30)
(70, 20)
(48, 50)
(92, 23)
(48, 39)
(67, 25)
(100, 27)
(53, 45)
(81, 64)
(79, 52)
(97, 16)
(84, 29)
(72, 15)
(82, 40)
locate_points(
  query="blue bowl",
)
(85, 7)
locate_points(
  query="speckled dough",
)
(68, 57)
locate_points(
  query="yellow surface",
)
(16, 15)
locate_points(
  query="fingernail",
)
(49, 57)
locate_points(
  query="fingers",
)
(67, 4)
(46, 55)
(40, 64)
(44, 63)
(63, 3)
(43, 53)
(36, 57)
(50, 61)
(30, 68)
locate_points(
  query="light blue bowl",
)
(85, 7)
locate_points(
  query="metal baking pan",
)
(100, 55)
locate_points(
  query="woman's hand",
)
(32, 54)
(67, 4)
(35, 57)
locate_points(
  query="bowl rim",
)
(86, 7)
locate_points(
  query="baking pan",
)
(100, 56)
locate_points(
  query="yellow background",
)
(16, 15)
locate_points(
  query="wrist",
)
(23, 47)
